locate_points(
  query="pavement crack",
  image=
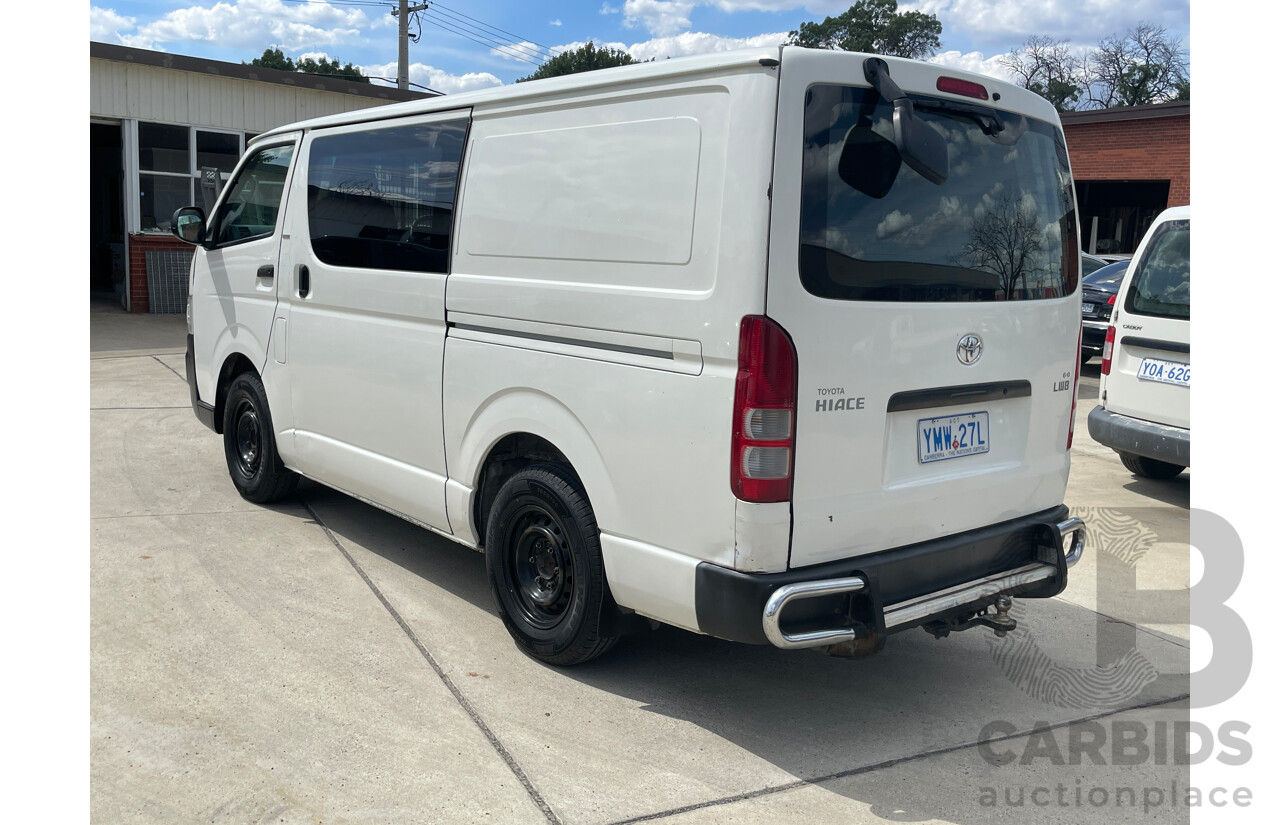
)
(903, 760)
(156, 358)
(458, 696)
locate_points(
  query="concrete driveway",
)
(322, 661)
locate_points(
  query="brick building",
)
(1129, 165)
(165, 131)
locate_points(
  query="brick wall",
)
(1157, 148)
(139, 245)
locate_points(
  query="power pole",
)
(402, 71)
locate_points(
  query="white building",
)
(165, 131)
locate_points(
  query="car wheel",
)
(1149, 467)
(250, 444)
(542, 551)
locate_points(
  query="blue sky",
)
(469, 44)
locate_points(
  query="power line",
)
(509, 49)
(443, 9)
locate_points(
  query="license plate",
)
(938, 439)
(1165, 372)
(1087, 309)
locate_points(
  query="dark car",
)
(1098, 296)
(1090, 264)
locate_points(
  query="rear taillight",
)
(1106, 350)
(1075, 389)
(764, 412)
(1111, 301)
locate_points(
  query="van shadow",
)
(914, 713)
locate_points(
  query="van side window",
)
(383, 198)
(253, 202)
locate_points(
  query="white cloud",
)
(521, 52)
(433, 78)
(1082, 21)
(660, 17)
(251, 24)
(608, 9)
(689, 43)
(973, 62)
(106, 25)
(556, 23)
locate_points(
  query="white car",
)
(1145, 414)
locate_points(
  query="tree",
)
(275, 59)
(585, 59)
(1048, 68)
(1145, 65)
(1005, 240)
(874, 26)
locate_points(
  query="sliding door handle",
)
(304, 281)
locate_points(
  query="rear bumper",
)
(204, 412)
(1145, 438)
(865, 599)
(1093, 335)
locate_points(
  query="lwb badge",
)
(969, 349)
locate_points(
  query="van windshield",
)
(1001, 227)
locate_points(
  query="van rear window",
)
(1001, 227)
(383, 198)
(1162, 283)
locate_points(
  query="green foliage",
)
(1144, 65)
(275, 59)
(1048, 68)
(585, 59)
(874, 26)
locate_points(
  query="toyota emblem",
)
(969, 349)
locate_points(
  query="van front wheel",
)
(250, 444)
(542, 551)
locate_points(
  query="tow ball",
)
(1000, 621)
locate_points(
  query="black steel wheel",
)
(249, 443)
(542, 551)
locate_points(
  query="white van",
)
(775, 346)
(1145, 414)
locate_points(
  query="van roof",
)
(618, 75)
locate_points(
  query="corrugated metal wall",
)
(127, 91)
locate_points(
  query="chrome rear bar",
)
(918, 609)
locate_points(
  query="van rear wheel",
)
(250, 445)
(542, 551)
(1149, 467)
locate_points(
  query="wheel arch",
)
(233, 364)
(512, 431)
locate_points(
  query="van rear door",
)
(936, 324)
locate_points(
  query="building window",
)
(168, 168)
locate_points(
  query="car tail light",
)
(956, 86)
(1111, 300)
(1075, 389)
(764, 412)
(1106, 350)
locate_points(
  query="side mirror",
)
(922, 147)
(188, 224)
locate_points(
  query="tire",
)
(542, 552)
(250, 444)
(1149, 467)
